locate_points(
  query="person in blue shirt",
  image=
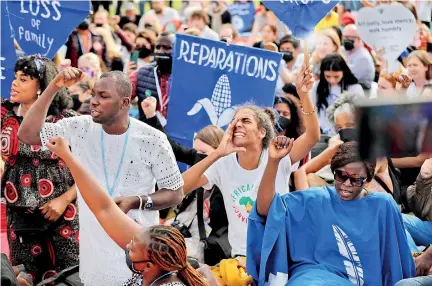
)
(340, 235)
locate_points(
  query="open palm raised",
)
(227, 146)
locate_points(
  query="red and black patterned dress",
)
(31, 178)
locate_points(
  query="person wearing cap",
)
(358, 58)
(130, 15)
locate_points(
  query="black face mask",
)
(164, 62)
(348, 134)
(282, 124)
(130, 263)
(84, 25)
(144, 52)
(349, 45)
(287, 56)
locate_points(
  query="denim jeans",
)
(421, 231)
(418, 281)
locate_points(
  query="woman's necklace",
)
(160, 277)
(19, 110)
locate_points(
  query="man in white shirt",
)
(358, 58)
(125, 155)
(163, 13)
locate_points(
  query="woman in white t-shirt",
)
(335, 79)
(237, 165)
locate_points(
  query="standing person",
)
(218, 15)
(335, 79)
(83, 41)
(200, 20)
(163, 14)
(36, 180)
(327, 42)
(156, 255)
(124, 154)
(419, 65)
(359, 59)
(154, 80)
(130, 15)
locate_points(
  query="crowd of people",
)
(90, 177)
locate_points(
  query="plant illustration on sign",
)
(218, 108)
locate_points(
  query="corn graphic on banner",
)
(210, 78)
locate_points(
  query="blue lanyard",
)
(111, 189)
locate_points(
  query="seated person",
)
(156, 255)
(341, 235)
(419, 198)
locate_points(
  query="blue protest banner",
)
(42, 27)
(301, 16)
(210, 77)
(7, 53)
(242, 15)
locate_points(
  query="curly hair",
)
(348, 153)
(167, 248)
(345, 103)
(266, 118)
(44, 71)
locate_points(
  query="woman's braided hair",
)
(167, 248)
(44, 71)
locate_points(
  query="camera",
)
(184, 230)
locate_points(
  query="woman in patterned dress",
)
(35, 182)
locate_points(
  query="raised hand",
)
(280, 146)
(68, 77)
(403, 82)
(148, 105)
(304, 81)
(227, 146)
(59, 146)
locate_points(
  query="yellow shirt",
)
(332, 19)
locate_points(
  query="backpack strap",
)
(200, 214)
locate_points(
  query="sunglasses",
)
(342, 176)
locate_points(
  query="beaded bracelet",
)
(308, 113)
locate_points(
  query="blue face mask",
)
(130, 263)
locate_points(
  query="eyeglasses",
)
(342, 176)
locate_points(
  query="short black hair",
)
(348, 153)
(123, 83)
(290, 39)
(44, 71)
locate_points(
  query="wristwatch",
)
(148, 204)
